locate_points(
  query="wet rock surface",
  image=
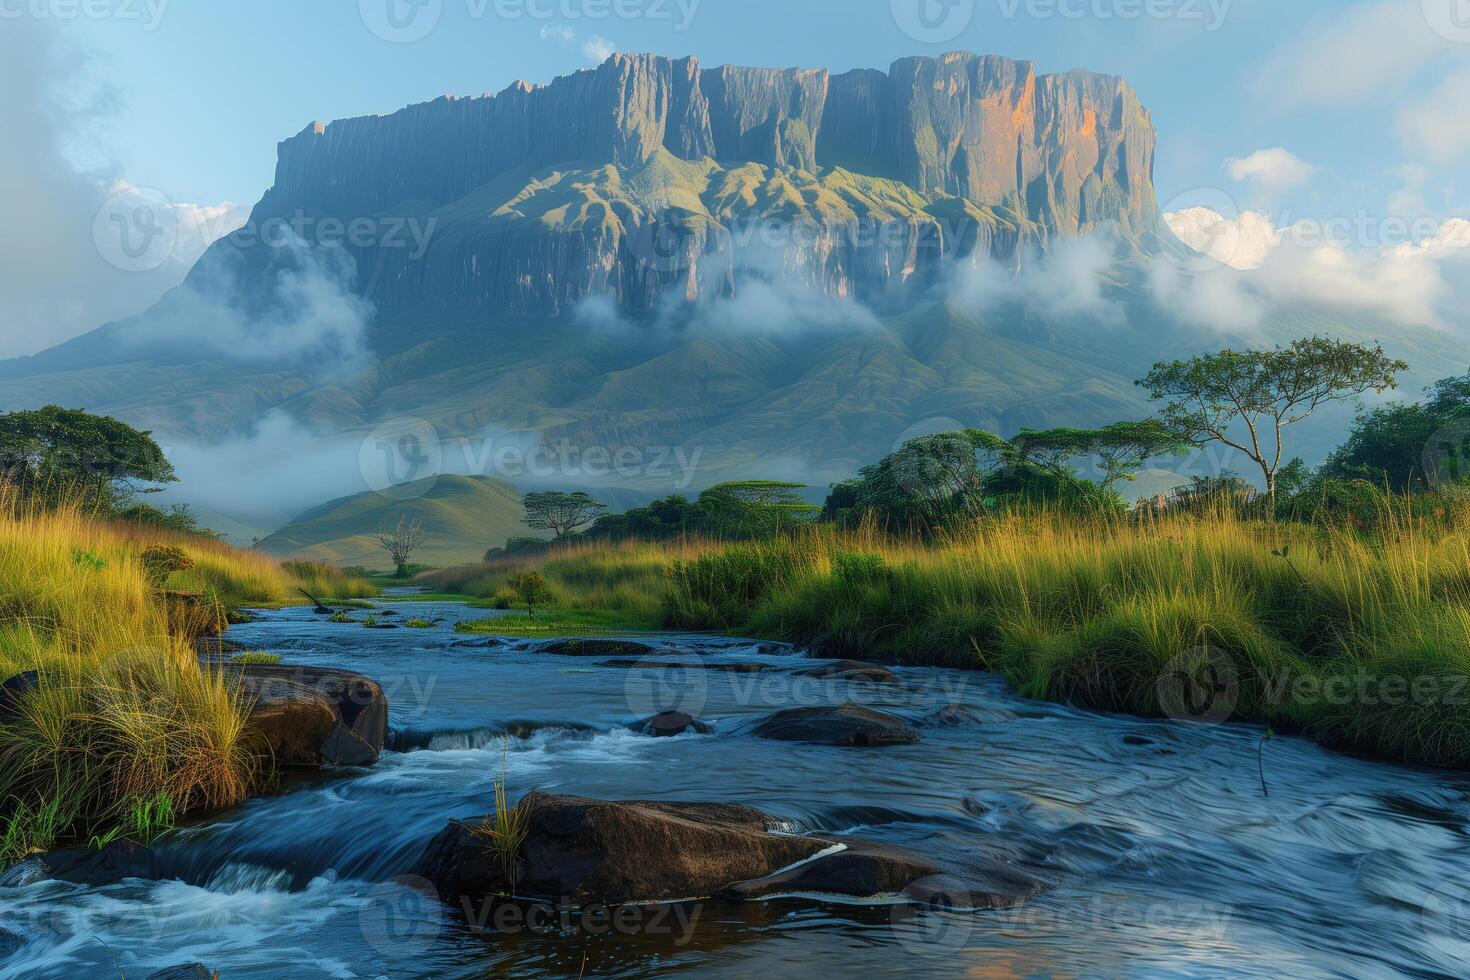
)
(613, 853)
(669, 723)
(316, 716)
(847, 724)
(595, 851)
(867, 869)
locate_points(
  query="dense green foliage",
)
(58, 454)
(1247, 399)
(1395, 445)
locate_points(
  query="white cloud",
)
(1424, 284)
(1066, 281)
(1438, 127)
(1349, 55)
(599, 312)
(1242, 242)
(1273, 171)
(56, 280)
(306, 312)
(598, 49)
(781, 307)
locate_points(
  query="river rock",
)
(595, 648)
(593, 851)
(184, 971)
(850, 670)
(316, 716)
(847, 724)
(671, 723)
(106, 866)
(597, 852)
(866, 869)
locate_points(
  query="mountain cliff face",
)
(648, 176)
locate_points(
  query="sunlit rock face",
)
(651, 177)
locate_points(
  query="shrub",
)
(159, 561)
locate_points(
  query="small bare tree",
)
(401, 541)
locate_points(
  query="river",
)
(1166, 856)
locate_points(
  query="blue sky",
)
(1288, 109)
(203, 96)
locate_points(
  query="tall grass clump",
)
(1354, 632)
(112, 725)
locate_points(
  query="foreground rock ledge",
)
(316, 716)
(587, 852)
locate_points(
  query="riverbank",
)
(1356, 636)
(112, 728)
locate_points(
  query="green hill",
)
(464, 516)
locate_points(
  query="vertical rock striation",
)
(545, 194)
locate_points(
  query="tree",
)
(1387, 445)
(1123, 447)
(55, 451)
(1211, 397)
(532, 590)
(752, 508)
(401, 541)
(560, 512)
(934, 479)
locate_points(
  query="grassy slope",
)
(125, 716)
(1361, 639)
(464, 517)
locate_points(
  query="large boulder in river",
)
(865, 869)
(116, 862)
(587, 852)
(846, 724)
(316, 716)
(597, 852)
(669, 723)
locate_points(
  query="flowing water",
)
(1167, 858)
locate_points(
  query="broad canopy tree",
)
(57, 453)
(1119, 450)
(560, 512)
(1247, 399)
